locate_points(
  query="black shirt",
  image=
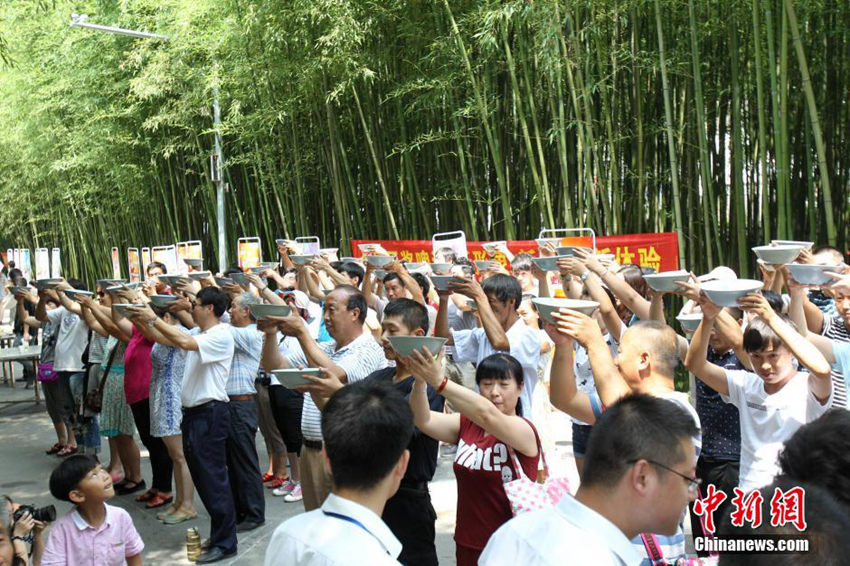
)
(423, 448)
(721, 425)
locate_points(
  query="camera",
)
(45, 514)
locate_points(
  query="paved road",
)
(25, 432)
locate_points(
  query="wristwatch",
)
(584, 275)
(151, 322)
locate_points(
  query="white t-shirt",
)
(207, 369)
(768, 420)
(474, 346)
(71, 339)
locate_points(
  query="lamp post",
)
(217, 161)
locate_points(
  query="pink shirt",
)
(73, 542)
(137, 368)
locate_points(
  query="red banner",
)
(659, 251)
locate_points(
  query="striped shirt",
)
(358, 359)
(834, 329)
(248, 346)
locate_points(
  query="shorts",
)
(581, 434)
(286, 408)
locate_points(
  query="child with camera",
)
(92, 532)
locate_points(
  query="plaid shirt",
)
(246, 360)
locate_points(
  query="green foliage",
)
(346, 118)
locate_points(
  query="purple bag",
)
(46, 374)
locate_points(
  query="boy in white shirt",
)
(774, 400)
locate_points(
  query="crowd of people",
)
(191, 366)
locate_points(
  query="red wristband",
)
(443, 384)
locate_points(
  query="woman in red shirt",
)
(486, 427)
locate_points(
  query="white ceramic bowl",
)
(104, 283)
(222, 281)
(261, 311)
(121, 308)
(441, 268)
(47, 283)
(778, 255)
(541, 242)
(170, 280)
(413, 266)
(809, 274)
(690, 322)
(379, 260)
(570, 250)
(73, 293)
(239, 278)
(162, 301)
(404, 345)
(195, 262)
(801, 243)
(485, 264)
(549, 263)
(665, 282)
(292, 378)
(441, 282)
(727, 293)
(198, 275)
(302, 259)
(547, 305)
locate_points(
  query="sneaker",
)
(294, 495)
(285, 488)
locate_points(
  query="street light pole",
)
(217, 167)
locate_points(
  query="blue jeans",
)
(87, 429)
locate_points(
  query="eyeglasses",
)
(693, 483)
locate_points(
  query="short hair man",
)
(243, 466)
(409, 513)
(646, 363)
(206, 415)
(638, 477)
(351, 356)
(502, 329)
(367, 428)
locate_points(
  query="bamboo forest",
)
(726, 122)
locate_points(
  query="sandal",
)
(266, 477)
(159, 500)
(147, 496)
(53, 449)
(163, 514)
(131, 487)
(67, 450)
(176, 518)
(277, 482)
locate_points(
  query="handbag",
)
(526, 495)
(94, 399)
(46, 374)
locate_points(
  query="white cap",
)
(721, 273)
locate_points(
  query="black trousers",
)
(204, 437)
(243, 464)
(286, 410)
(410, 516)
(723, 474)
(161, 463)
